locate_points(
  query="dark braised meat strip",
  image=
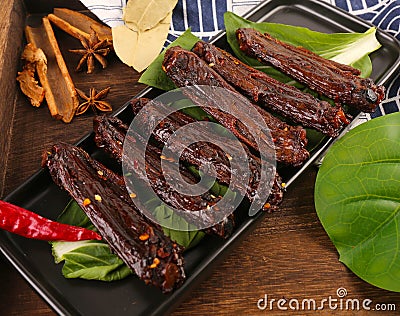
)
(285, 100)
(101, 193)
(187, 69)
(331, 79)
(206, 153)
(110, 133)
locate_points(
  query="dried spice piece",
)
(60, 93)
(139, 49)
(94, 49)
(140, 39)
(142, 15)
(67, 27)
(75, 24)
(29, 85)
(94, 100)
(35, 61)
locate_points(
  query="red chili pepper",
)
(31, 225)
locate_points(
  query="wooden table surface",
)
(287, 256)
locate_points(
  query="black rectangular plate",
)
(33, 258)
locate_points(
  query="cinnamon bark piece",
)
(287, 101)
(101, 194)
(77, 24)
(35, 61)
(60, 93)
(66, 27)
(319, 74)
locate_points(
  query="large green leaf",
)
(357, 198)
(187, 234)
(347, 48)
(89, 259)
(93, 260)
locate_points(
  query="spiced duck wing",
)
(206, 155)
(285, 100)
(110, 134)
(101, 194)
(338, 82)
(185, 68)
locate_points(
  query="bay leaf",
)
(142, 15)
(139, 49)
(150, 44)
(125, 43)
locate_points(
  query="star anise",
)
(94, 100)
(94, 49)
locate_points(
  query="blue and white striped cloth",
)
(205, 17)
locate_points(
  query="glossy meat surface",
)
(101, 193)
(110, 134)
(187, 69)
(285, 100)
(207, 154)
(338, 82)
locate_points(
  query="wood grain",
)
(34, 128)
(12, 16)
(287, 256)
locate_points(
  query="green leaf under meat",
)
(93, 260)
(347, 48)
(358, 202)
(187, 235)
(90, 259)
(154, 76)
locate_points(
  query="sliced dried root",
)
(35, 62)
